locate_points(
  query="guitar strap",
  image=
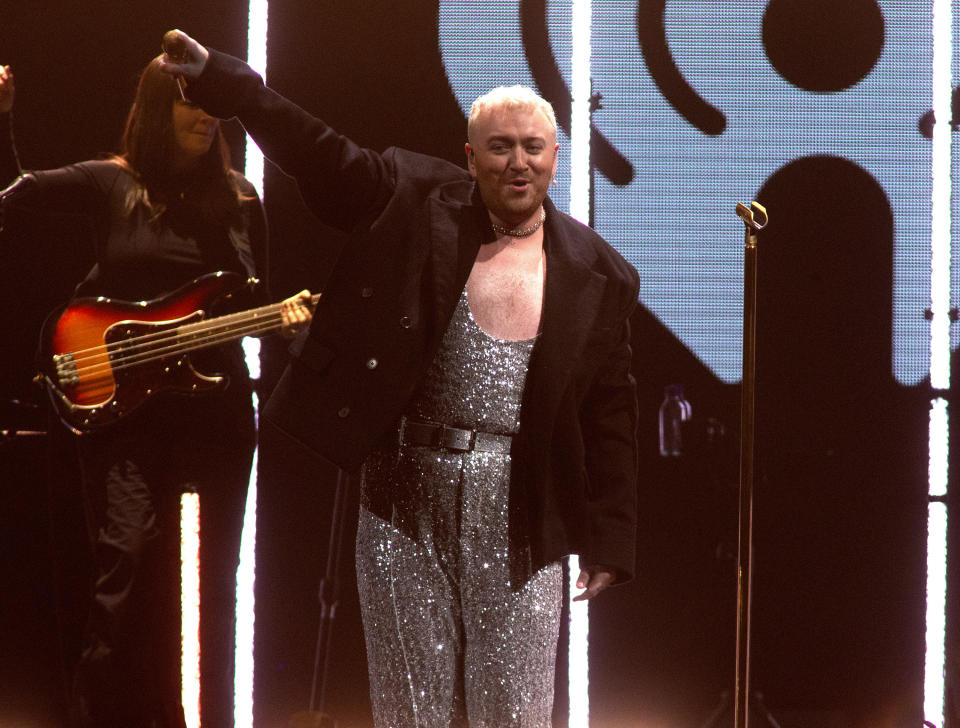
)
(240, 239)
(91, 276)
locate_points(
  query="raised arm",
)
(6, 90)
(9, 166)
(342, 183)
(75, 189)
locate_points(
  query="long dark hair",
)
(148, 148)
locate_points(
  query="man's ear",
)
(471, 161)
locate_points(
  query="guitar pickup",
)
(66, 367)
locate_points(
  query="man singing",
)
(470, 355)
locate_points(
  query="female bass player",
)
(165, 211)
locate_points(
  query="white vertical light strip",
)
(580, 86)
(934, 707)
(935, 659)
(578, 683)
(940, 247)
(190, 503)
(257, 14)
(243, 676)
(580, 90)
(246, 573)
(190, 608)
(939, 444)
(257, 60)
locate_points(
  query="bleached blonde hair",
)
(510, 97)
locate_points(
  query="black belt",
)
(432, 434)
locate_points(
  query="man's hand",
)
(594, 579)
(6, 90)
(183, 56)
(295, 313)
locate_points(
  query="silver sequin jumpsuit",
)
(449, 643)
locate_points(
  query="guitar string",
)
(262, 325)
(253, 323)
(116, 355)
(189, 328)
(125, 361)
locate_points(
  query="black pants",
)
(134, 472)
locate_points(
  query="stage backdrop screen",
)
(702, 102)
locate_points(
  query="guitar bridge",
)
(66, 367)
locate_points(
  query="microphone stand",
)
(329, 597)
(754, 219)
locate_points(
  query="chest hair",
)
(505, 290)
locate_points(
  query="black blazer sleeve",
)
(341, 182)
(609, 422)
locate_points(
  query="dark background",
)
(838, 622)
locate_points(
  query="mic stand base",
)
(757, 707)
(311, 719)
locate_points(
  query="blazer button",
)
(405, 322)
(343, 412)
(372, 363)
(366, 292)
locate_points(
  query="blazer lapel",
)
(572, 295)
(456, 231)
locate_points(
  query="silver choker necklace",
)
(522, 232)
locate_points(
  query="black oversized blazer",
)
(416, 224)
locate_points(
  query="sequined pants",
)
(449, 643)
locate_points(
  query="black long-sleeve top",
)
(138, 258)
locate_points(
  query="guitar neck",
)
(221, 329)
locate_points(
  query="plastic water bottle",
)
(674, 411)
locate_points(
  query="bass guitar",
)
(102, 358)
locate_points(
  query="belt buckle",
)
(454, 438)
